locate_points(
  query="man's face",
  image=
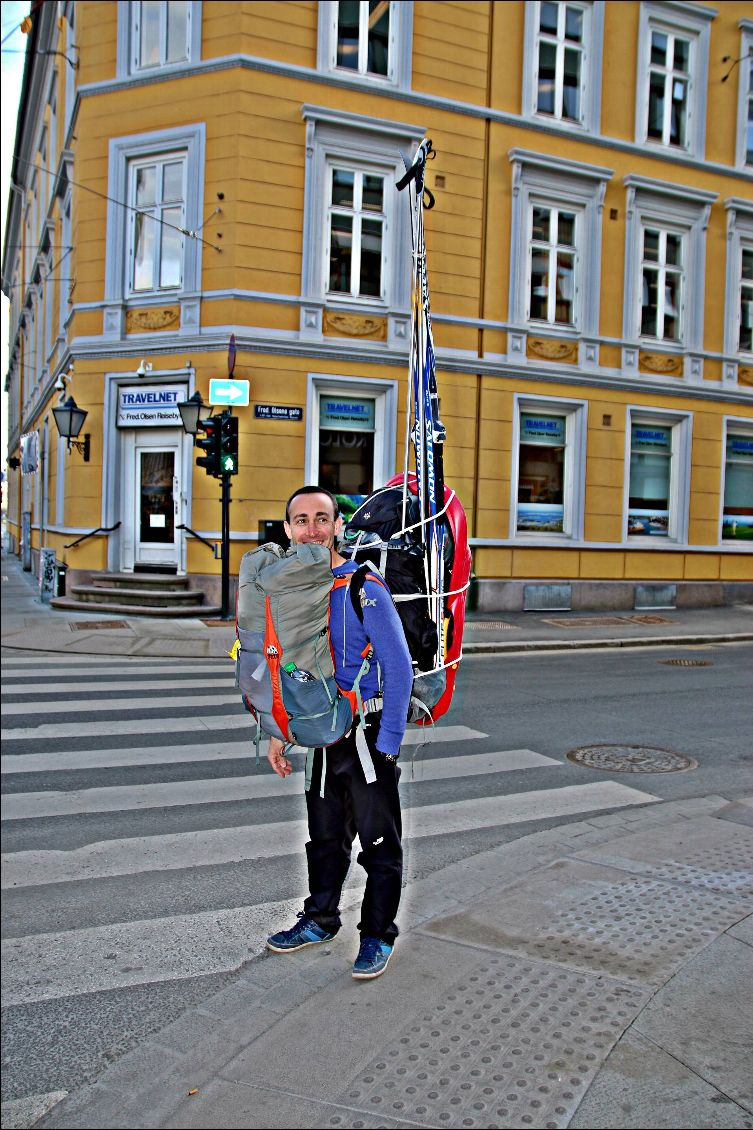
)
(312, 519)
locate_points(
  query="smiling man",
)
(360, 794)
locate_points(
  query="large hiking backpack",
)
(284, 663)
(377, 534)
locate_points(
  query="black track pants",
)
(350, 806)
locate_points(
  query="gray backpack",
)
(284, 663)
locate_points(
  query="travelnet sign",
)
(141, 406)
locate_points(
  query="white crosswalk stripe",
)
(88, 957)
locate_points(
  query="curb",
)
(633, 641)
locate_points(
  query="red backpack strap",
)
(273, 655)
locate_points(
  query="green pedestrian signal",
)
(229, 444)
(210, 443)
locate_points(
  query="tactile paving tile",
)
(639, 929)
(726, 869)
(513, 1043)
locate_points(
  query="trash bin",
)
(272, 530)
(62, 569)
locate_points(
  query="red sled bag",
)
(386, 532)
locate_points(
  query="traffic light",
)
(210, 442)
(229, 445)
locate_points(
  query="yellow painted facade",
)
(259, 111)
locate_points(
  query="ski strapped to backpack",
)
(284, 664)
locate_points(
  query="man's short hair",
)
(312, 490)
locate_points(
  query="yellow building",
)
(185, 172)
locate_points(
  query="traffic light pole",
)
(226, 500)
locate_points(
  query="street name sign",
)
(229, 391)
(277, 412)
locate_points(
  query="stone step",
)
(159, 582)
(195, 611)
(164, 599)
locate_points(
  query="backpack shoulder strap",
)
(365, 572)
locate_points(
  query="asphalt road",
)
(146, 856)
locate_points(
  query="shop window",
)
(737, 513)
(370, 39)
(658, 477)
(548, 469)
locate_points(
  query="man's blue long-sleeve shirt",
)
(383, 630)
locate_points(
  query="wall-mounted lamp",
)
(144, 368)
(190, 411)
(69, 419)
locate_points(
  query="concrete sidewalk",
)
(593, 975)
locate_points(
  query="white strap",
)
(364, 754)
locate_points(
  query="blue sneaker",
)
(372, 959)
(304, 933)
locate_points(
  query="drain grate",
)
(586, 621)
(631, 759)
(649, 618)
(686, 662)
(488, 625)
(219, 623)
(88, 625)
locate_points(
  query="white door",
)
(156, 499)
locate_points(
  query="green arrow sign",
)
(227, 391)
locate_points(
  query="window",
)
(673, 53)
(552, 273)
(745, 97)
(737, 510)
(154, 34)
(664, 265)
(366, 39)
(162, 177)
(562, 68)
(556, 242)
(662, 284)
(657, 476)
(356, 225)
(155, 256)
(745, 336)
(548, 470)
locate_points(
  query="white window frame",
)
(684, 211)
(357, 216)
(128, 41)
(663, 269)
(744, 93)
(740, 426)
(400, 45)
(66, 254)
(551, 249)
(158, 161)
(686, 21)
(555, 182)
(739, 235)
(385, 395)
(187, 140)
(591, 67)
(681, 424)
(367, 144)
(574, 473)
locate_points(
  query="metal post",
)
(226, 500)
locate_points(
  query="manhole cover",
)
(488, 625)
(687, 662)
(631, 759)
(88, 625)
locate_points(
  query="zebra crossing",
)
(142, 842)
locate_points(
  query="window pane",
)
(373, 193)
(541, 462)
(547, 65)
(347, 34)
(342, 187)
(738, 488)
(172, 248)
(659, 48)
(679, 112)
(346, 462)
(656, 105)
(548, 18)
(747, 265)
(574, 24)
(564, 307)
(674, 249)
(144, 251)
(571, 85)
(371, 258)
(541, 223)
(172, 185)
(539, 285)
(379, 37)
(651, 245)
(749, 134)
(649, 304)
(682, 55)
(650, 465)
(746, 320)
(340, 253)
(146, 185)
(157, 505)
(672, 307)
(566, 229)
(149, 33)
(177, 30)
